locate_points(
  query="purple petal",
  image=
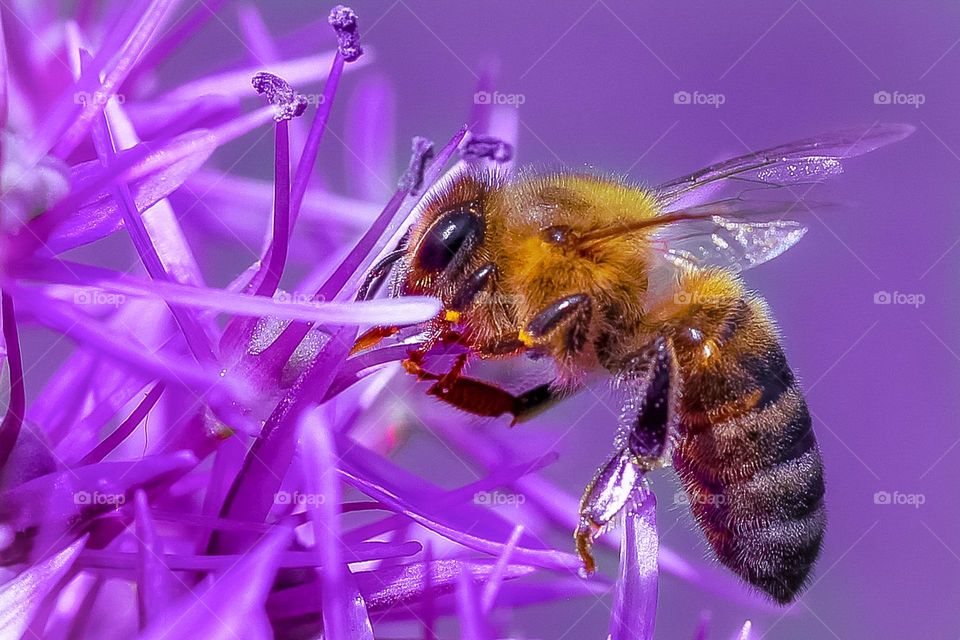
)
(397, 586)
(64, 128)
(82, 280)
(493, 585)
(98, 219)
(124, 347)
(514, 594)
(473, 626)
(635, 597)
(157, 586)
(445, 507)
(391, 587)
(126, 564)
(21, 597)
(55, 504)
(548, 559)
(232, 605)
(252, 493)
(234, 197)
(196, 338)
(135, 163)
(161, 118)
(344, 611)
(16, 405)
(159, 219)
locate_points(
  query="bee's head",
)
(446, 242)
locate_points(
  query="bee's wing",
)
(736, 233)
(802, 161)
(751, 228)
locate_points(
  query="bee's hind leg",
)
(641, 445)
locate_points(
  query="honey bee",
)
(601, 275)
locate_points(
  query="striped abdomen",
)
(746, 454)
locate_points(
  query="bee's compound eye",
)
(453, 231)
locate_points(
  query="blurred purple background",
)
(597, 81)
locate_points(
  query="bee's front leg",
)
(641, 444)
(482, 398)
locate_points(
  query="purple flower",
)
(215, 462)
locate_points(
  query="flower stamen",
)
(487, 146)
(344, 21)
(412, 178)
(280, 93)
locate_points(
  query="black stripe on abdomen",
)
(756, 487)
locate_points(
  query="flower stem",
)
(193, 333)
(277, 252)
(127, 427)
(308, 157)
(349, 273)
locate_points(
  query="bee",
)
(643, 284)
